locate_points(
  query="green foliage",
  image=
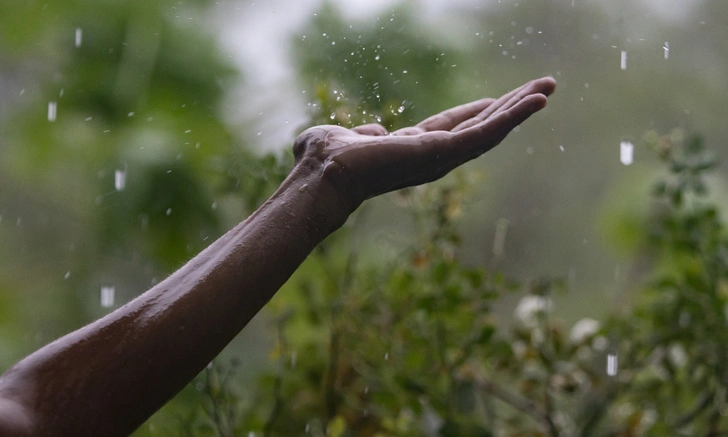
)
(675, 338)
(416, 349)
(410, 343)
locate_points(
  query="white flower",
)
(531, 307)
(583, 330)
(678, 355)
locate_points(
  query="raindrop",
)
(67, 275)
(499, 241)
(107, 296)
(666, 49)
(561, 148)
(333, 115)
(52, 111)
(400, 109)
(623, 60)
(169, 211)
(612, 364)
(120, 179)
(294, 359)
(626, 152)
(386, 356)
(79, 36)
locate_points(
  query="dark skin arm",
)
(108, 377)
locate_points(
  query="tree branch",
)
(526, 406)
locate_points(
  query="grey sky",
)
(257, 36)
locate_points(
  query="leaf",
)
(465, 398)
(486, 334)
(336, 427)
(676, 197)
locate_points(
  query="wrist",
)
(326, 204)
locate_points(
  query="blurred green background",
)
(132, 134)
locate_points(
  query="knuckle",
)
(309, 142)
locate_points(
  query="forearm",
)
(108, 377)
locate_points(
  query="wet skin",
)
(108, 377)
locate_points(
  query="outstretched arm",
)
(108, 377)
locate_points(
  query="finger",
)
(414, 130)
(374, 129)
(450, 118)
(544, 85)
(489, 133)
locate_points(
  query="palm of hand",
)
(366, 161)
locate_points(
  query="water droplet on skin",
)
(107, 296)
(626, 152)
(52, 108)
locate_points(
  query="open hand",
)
(366, 161)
